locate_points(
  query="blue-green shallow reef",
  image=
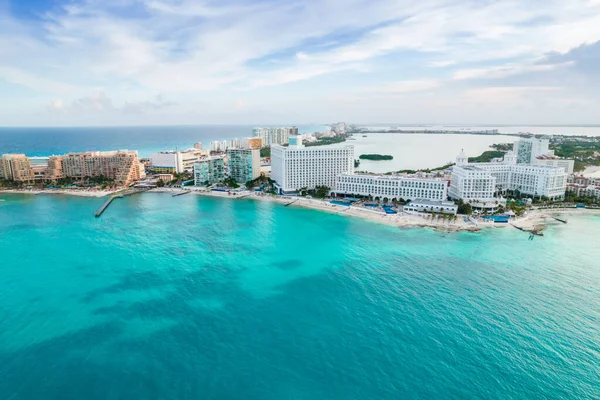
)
(201, 298)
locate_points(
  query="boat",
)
(364, 135)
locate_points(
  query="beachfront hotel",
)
(478, 183)
(122, 165)
(243, 164)
(279, 135)
(176, 162)
(537, 152)
(391, 187)
(16, 167)
(428, 206)
(209, 170)
(297, 167)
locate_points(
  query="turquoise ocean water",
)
(201, 298)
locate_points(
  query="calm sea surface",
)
(48, 141)
(200, 298)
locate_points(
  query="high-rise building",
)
(123, 165)
(209, 170)
(251, 143)
(527, 150)
(198, 146)
(244, 164)
(297, 167)
(392, 187)
(277, 135)
(16, 167)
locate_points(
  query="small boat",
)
(364, 135)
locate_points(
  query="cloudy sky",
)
(145, 62)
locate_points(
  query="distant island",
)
(376, 157)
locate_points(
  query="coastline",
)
(65, 192)
(402, 220)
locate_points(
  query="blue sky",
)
(137, 62)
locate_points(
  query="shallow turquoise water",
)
(200, 298)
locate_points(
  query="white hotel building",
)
(296, 167)
(478, 183)
(392, 187)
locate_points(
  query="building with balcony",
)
(297, 167)
(209, 170)
(243, 164)
(398, 187)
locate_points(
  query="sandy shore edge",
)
(401, 220)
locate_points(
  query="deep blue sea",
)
(203, 298)
(145, 139)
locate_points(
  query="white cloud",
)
(503, 71)
(201, 50)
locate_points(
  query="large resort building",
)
(480, 183)
(398, 187)
(122, 166)
(296, 167)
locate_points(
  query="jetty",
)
(105, 205)
(182, 193)
(536, 231)
(290, 203)
(109, 201)
(564, 221)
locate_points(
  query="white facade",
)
(296, 167)
(420, 205)
(219, 146)
(175, 161)
(278, 135)
(480, 182)
(390, 186)
(527, 150)
(568, 165)
(470, 183)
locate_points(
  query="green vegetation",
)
(504, 147)
(160, 183)
(517, 207)
(321, 192)
(326, 140)
(356, 163)
(265, 151)
(487, 156)
(429, 170)
(464, 208)
(260, 181)
(231, 183)
(571, 197)
(375, 157)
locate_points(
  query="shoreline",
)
(64, 192)
(401, 220)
